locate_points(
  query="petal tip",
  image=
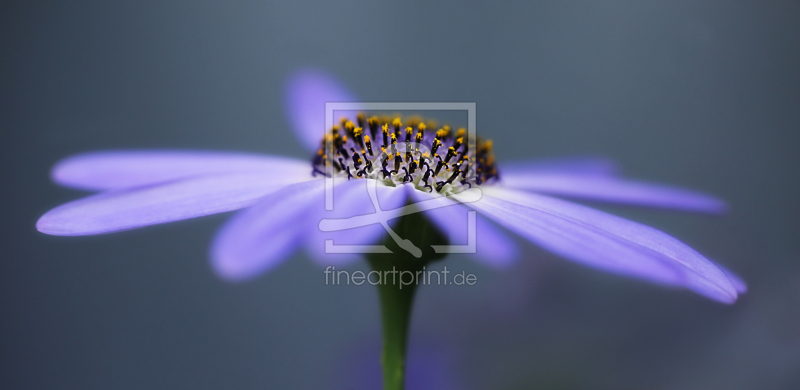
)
(307, 90)
(51, 224)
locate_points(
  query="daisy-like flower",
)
(408, 161)
(422, 177)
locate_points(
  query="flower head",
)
(406, 161)
(442, 161)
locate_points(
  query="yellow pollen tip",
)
(409, 130)
(357, 131)
(385, 127)
(366, 138)
(396, 122)
(421, 127)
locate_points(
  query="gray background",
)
(699, 94)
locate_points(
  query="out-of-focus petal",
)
(307, 91)
(165, 202)
(738, 282)
(351, 199)
(493, 247)
(605, 241)
(132, 168)
(587, 165)
(614, 190)
(260, 237)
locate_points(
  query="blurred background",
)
(699, 94)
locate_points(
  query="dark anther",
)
(397, 161)
(349, 175)
(466, 182)
(413, 166)
(450, 153)
(356, 159)
(367, 161)
(359, 138)
(457, 144)
(453, 176)
(428, 186)
(436, 144)
(427, 175)
(439, 166)
(407, 177)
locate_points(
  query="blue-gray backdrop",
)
(704, 94)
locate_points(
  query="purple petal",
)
(124, 169)
(307, 91)
(605, 241)
(351, 199)
(149, 205)
(493, 247)
(262, 236)
(738, 282)
(614, 190)
(599, 166)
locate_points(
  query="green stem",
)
(396, 301)
(399, 276)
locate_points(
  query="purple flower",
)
(283, 198)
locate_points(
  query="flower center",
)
(394, 153)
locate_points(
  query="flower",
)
(283, 197)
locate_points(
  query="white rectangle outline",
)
(331, 107)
